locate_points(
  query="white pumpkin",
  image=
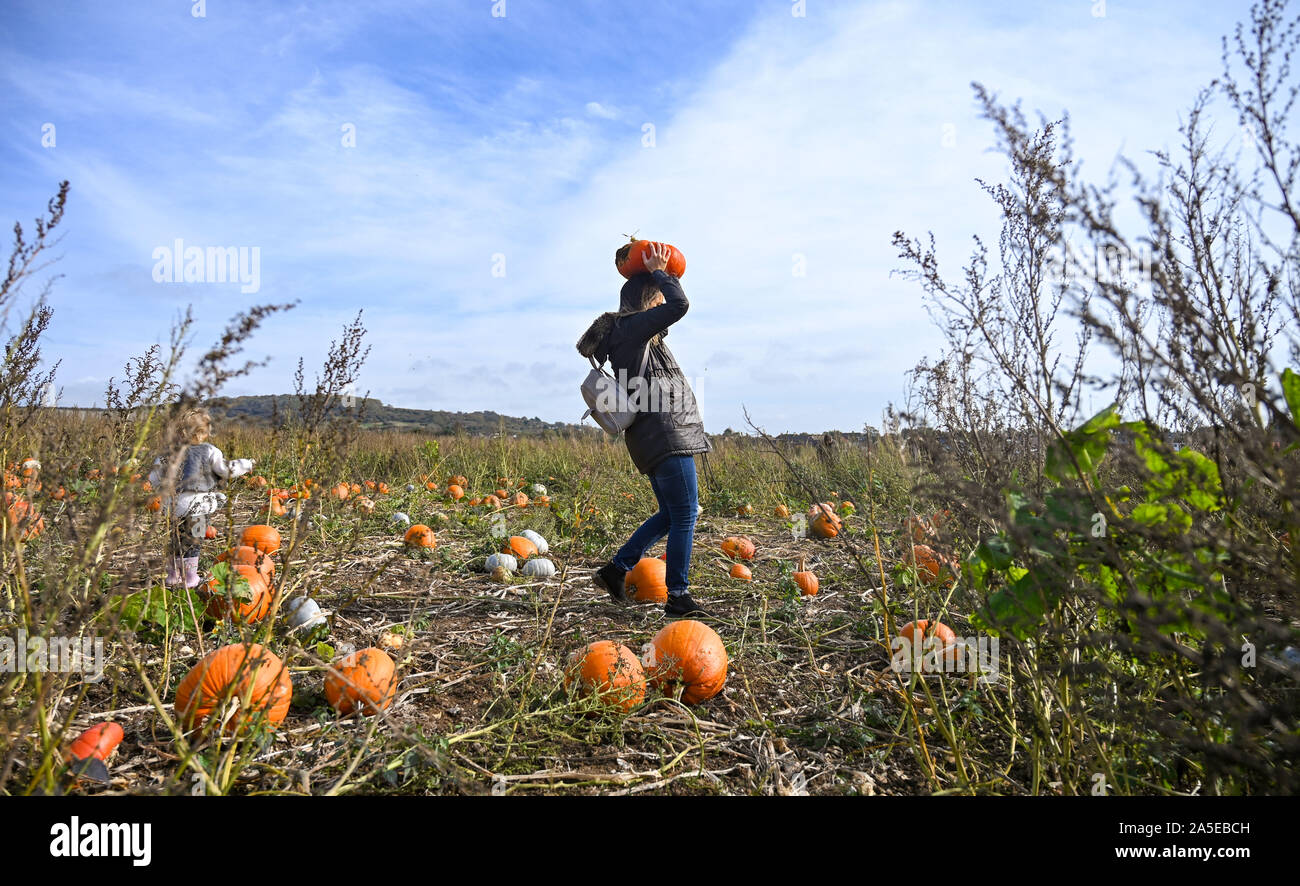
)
(399, 517)
(302, 613)
(541, 544)
(410, 487)
(539, 567)
(507, 561)
(538, 489)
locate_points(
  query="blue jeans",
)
(673, 482)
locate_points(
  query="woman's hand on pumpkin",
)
(656, 257)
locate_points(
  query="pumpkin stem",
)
(802, 567)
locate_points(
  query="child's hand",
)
(656, 257)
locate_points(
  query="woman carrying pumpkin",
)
(188, 478)
(668, 431)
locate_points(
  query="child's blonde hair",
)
(195, 426)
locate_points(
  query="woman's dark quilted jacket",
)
(669, 423)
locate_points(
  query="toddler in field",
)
(188, 478)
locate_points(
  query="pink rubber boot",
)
(192, 572)
(173, 572)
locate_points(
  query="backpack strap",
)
(645, 358)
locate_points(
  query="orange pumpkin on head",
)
(629, 259)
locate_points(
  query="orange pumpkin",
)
(520, 547)
(455, 491)
(689, 653)
(154, 504)
(806, 580)
(262, 537)
(362, 679)
(738, 547)
(519, 500)
(630, 258)
(243, 596)
(823, 522)
(383, 488)
(491, 501)
(783, 512)
(21, 517)
(420, 536)
(609, 671)
(247, 671)
(502, 494)
(543, 501)
(745, 510)
(923, 636)
(741, 571)
(97, 742)
(341, 492)
(648, 581)
(475, 502)
(930, 566)
(458, 480)
(244, 555)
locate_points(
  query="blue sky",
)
(481, 137)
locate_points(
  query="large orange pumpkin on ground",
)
(648, 581)
(630, 258)
(362, 679)
(689, 653)
(455, 491)
(239, 593)
(264, 538)
(247, 671)
(610, 671)
(420, 536)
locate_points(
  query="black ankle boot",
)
(683, 604)
(610, 577)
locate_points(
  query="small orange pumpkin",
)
(244, 555)
(648, 581)
(262, 537)
(738, 547)
(741, 571)
(923, 635)
(362, 679)
(520, 547)
(97, 742)
(456, 491)
(420, 536)
(783, 512)
(243, 596)
(824, 523)
(519, 500)
(806, 580)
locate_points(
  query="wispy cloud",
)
(465, 180)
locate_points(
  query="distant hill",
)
(376, 415)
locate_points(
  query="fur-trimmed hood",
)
(593, 341)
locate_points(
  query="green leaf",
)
(1291, 391)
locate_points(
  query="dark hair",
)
(636, 295)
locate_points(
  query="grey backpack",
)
(607, 400)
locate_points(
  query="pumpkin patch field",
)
(437, 631)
